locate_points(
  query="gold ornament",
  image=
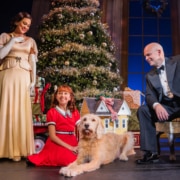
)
(90, 33)
(54, 60)
(58, 41)
(94, 82)
(66, 63)
(104, 44)
(81, 36)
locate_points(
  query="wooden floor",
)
(118, 170)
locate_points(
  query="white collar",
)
(161, 65)
(64, 113)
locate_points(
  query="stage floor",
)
(118, 170)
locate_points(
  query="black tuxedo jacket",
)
(154, 91)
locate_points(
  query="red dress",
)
(53, 154)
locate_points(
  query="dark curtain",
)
(175, 15)
(39, 8)
(115, 14)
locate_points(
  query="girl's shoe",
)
(29, 163)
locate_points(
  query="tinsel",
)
(79, 48)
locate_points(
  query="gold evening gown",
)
(16, 126)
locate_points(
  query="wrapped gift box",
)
(39, 120)
(132, 97)
(36, 108)
(136, 139)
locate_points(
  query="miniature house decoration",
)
(113, 112)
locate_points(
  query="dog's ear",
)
(79, 128)
(100, 128)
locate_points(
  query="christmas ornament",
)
(104, 44)
(91, 14)
(90, 33)
(66, 63)
(81, 36)
(94, 82)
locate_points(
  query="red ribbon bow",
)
(48, 85)
(109, 103)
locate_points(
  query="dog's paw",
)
(172, 157)
(63, 170)
(123, 157)
(131, 152)
(70, 172)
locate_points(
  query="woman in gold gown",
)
(18, 56)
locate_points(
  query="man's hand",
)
(161, 112)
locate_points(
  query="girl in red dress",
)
(61, 146)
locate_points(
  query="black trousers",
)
(147, 119)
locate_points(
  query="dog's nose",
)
(86, 126)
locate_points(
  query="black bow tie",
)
(159, 69)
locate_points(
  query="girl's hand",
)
(74, 149)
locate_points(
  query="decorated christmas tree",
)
(75, 48)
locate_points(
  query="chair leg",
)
(158, 142)
(171, 139)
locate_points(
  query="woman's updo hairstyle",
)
(18, 17)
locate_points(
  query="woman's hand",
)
(32, 62)
(6, 49)
(18, 39)
(32, 89)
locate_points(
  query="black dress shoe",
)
(29, 163)
(148, 158)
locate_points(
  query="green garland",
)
(155, 6)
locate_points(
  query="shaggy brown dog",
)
(96, 148)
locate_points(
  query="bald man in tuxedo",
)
(162, 98)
